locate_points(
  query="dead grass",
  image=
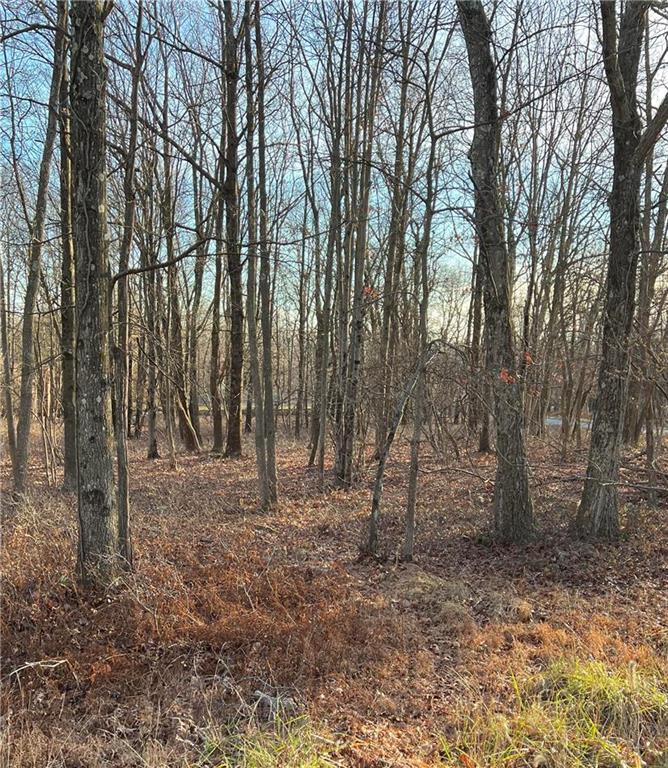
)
(379, 659)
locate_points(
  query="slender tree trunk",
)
(176, 386)
(396, 233)
(421, 289)
(265, 277)
(214, 372)
(232, 244)
(153, 323)
(7, 370)
(251, 298)
(301, 334)
(370, 545)
(137, 419)
(345, 447)
(475, 393)
(35, 262)
(67, 280)
(121, 350)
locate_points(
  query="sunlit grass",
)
(573, 715)
(289, 743)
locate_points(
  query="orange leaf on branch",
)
(506, 376)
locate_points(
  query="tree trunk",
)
(214, 371)
(370, 545)
(513, 509)
(421, 289)
(35, 261)
(232, 244)
(251, 298)
(7, 370)
(353, 367)
(265, 278)
(98, 521)
(121, 350)
(67, 280)
(598, 514)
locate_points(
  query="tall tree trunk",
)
(98, 520)
(421, 289)
(7, 370)
(214, 371)
(265, 276)
(137, 417)
(301, 333)
(475, 393)
(598, 514)
(251, 298)
(67, 279)
(153, 325)
(176, 385)
(121, 350)
(396, 234)
(193, 326)
(35, 261)
(232, 244)
(353, 358)
(513, 509)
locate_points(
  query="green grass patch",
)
(573, 715)
(291, 743)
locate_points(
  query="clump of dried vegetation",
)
(199, 626)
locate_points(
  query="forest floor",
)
(249, 639)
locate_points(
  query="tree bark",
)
(513, 509)
(35, 263)
(67, 280)
(265, 277)
(598, 514)
(98, 521)
(251, 298)
(232, 244)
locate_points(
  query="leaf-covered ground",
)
(243, 631)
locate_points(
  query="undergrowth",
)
(287, 743)
(575, 714)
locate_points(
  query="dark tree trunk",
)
(232, 245)
(513, 509)
(598, 514)
(67, 280)
(98, 521)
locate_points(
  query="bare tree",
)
(35, 263)
(232, 238)
(67, 277)
(99, 548)
(513, 509)
(598, 513)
